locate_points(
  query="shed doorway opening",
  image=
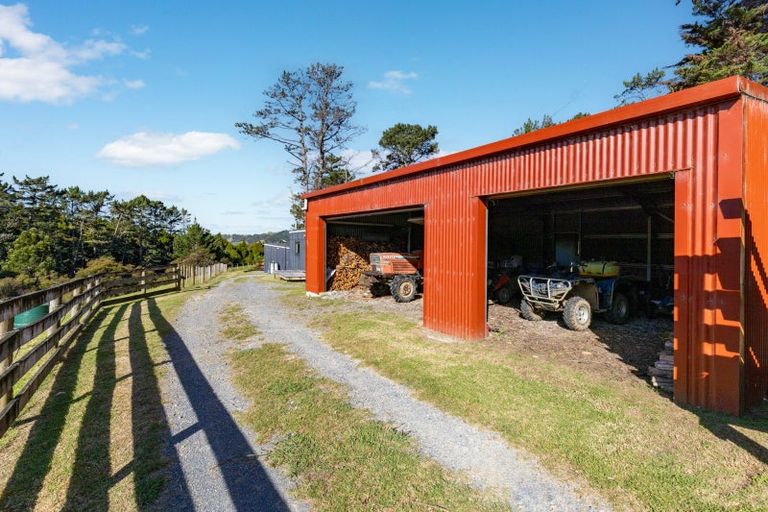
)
(377, 253)
(597, 259)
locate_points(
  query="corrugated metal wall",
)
(290, 257)
(706, 328)
(756, 271)
(275, 254)
(296, 250)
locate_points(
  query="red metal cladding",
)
(708, 322)
(696, 134)
(756, 245)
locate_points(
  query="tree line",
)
(50, 234)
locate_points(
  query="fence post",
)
(98, 301)
(178, 278)
(6, 326)
(144, 282)
(53, 305)
(87, 291)
(77, 292)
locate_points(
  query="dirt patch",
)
(616, 351)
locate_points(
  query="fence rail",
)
(71, 305)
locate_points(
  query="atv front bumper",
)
(547, 293)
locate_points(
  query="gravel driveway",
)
(216, 463)
(489, 461)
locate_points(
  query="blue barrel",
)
(30, 316)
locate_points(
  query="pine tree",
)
(731, 38)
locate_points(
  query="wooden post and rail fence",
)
(70, 306)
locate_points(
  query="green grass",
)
(235, 324)
(621, 439)
(92, 437)
(342, 458)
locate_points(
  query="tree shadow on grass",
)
(248, 484)
(24, 486)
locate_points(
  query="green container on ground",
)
(30, 316)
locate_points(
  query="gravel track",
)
(483, 455)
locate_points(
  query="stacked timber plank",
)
(661, 371)
(350, 257)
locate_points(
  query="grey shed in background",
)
(287, 257)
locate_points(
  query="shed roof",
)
(712, 92)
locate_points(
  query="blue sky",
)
(141, 96)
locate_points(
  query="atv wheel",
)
(619, 312)
(577, 313)
(503, 295)
(403, 288)
(529, 312)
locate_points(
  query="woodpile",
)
(661, 371)
(350, 257)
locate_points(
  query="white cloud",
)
(143, 55)
(139, 30)
(146, 149)
(360, 162)
(394, 81)
(41, 69)
(134, 84)
(273, 206)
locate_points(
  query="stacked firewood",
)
(661, 371)
(350, 257)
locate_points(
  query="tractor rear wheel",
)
(529, 312)
(577, 313)
(403, 288)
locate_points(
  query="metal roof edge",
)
(753, 89)
(712, 92)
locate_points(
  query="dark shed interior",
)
(632, 224)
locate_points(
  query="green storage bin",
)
(30, 316)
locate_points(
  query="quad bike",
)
(502, 288)
(577, 295)
(400, 271)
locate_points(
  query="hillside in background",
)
(268, 238)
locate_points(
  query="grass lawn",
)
(341, 457)
(92, 437)
(622, 439)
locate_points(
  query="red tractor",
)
(402, 272)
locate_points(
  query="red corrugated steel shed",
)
(711, 138)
